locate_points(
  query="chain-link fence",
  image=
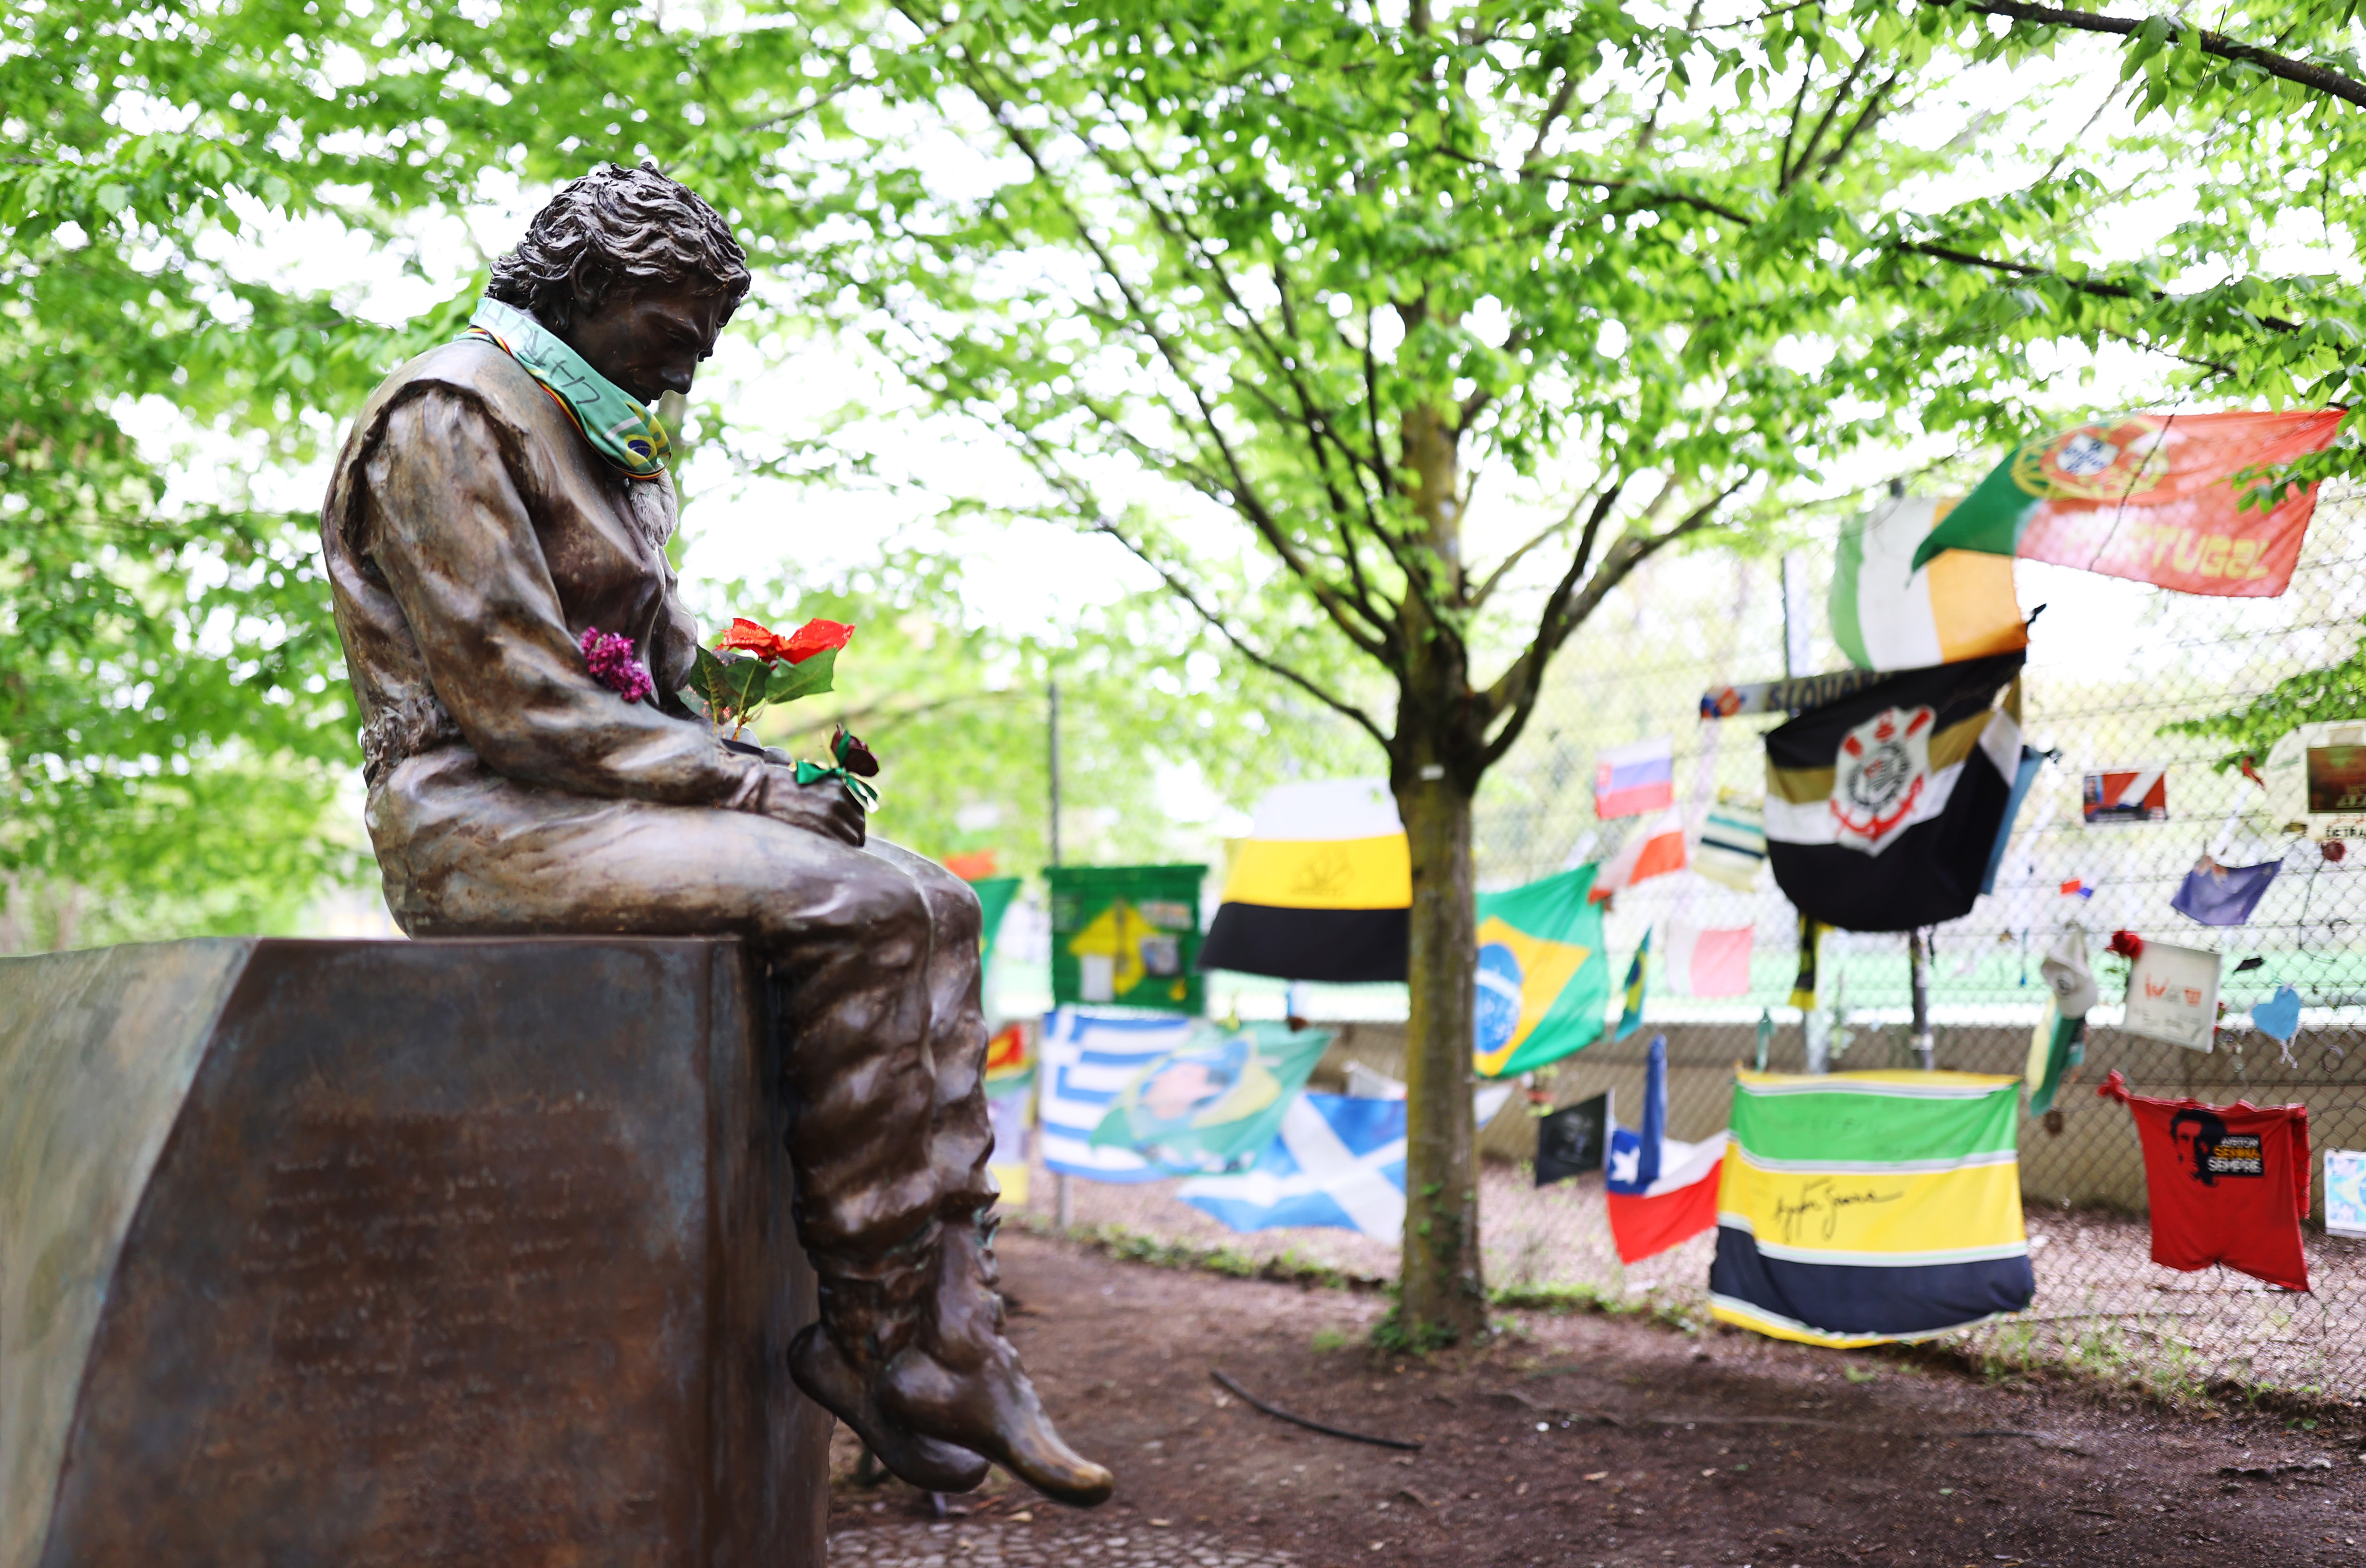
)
(2110, 665)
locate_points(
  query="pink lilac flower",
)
(614, 666)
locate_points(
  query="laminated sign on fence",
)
(1127, 934)
(1861, 1208)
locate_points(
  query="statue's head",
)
(633, 271)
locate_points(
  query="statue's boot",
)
(958, 1381)
(868, 1317)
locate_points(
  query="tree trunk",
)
(1444, 1295)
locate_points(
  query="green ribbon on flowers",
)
(814, 772)
(619, 426)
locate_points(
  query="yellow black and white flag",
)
(1320, 888)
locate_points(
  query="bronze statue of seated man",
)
(501, 497)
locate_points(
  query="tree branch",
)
(1487, 587)
(2320, 78)
(1261, 659)
(1530, 664)
(1620, 561)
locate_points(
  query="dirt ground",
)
(1589, 1440)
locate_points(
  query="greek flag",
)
(1089, 1058)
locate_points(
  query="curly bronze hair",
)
(614, 229)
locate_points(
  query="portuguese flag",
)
(2166, 499)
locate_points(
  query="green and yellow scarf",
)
(620, 427)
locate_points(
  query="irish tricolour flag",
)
(2175, 500)
(1891, 613)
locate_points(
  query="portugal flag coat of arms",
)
(1882, 808)
(2182, 500)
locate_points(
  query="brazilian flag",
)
(1217, 1097)
(1543, 979)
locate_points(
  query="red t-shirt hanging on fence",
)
(2228, 1183)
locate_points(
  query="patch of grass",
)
(1390, 1334)
(1331, 1339)
(1854, 1374)
(1134, 1246)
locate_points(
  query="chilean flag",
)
(1631, 780)
(1661, 1191)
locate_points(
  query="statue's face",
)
(649, 342)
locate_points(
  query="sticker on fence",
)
(2173, 996)
(2130, 794)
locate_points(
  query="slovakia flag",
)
(1631, 780)
(1661, 1191)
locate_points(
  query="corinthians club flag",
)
(1320, 888)
(2157, 498)
(1858, 1208)
(1882, 808)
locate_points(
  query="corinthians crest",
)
(1880, 777)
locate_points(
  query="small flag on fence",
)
(1860, 1208)
(1543, 978)
(1088, 1059)
(1660, 1192)
(1630, 779)
(1630, 1015)
(2151, 497)
(2224, 894)
(1709, 963)
(1652, 849)
(1573, 1140)
(1732, 848)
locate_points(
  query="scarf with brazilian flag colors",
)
(1319, 890)
(1861, 1208)
(1888, 614)
(2156, 498)
(620, 427)
(1543, 978)
(1630, 1011)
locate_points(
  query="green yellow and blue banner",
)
(1543, 978)
(1862, 1208)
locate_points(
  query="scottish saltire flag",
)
(1338, 1162)
(1088, 1060)
(1631, 780)
(1860, 1208)
(1660, 1192)
(1888, 614)
(1543, 978)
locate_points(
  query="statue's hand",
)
(823, 807)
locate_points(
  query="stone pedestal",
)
(351, 1254)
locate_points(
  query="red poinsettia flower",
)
(771, 646)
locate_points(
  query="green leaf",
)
(807, 678)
